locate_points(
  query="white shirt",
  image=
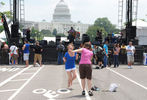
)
(132, 48)
(13, 49)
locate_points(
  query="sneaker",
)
(129, 67)
(90, 93)
(83, 92)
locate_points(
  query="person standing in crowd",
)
(94, 54)
(99, 57)
(38, 54)
(123, 54)
(60, 49)
(105, 47)
(70, 67)
(85, 67)
(130, 54)
(5, 56)
(14, 53)
(116, 50)
(26, 52)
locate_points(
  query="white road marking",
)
(11, 90)
(26, 73)
(17, 92)
(145, 66)
(4, 69)
(11, 70)
(10, 78)
(128, 79)
(18, 80)
(87, 96)
(16, 69)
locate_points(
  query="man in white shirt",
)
(14, 53)
(130, 54)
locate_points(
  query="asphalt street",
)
(49, 82)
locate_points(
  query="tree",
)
(106, 24)
(46, 33)
(61, 34)
(92, 31)
(1, 28)
(6, 13)
(36, 34)
(55, 32)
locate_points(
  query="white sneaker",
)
(129, 67)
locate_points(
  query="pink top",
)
(86, 56)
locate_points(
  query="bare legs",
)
(88, 82)
(27, 63)
(71, 77)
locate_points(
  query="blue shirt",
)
(106, 48)
(70, 61)
(26, 50)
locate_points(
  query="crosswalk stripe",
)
(16, 69)
(9, 69)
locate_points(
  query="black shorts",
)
(99, 59)
(85, 71)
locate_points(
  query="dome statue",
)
(61, 12)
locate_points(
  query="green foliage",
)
(46, 33)
(106, 24)
(61, 34)
(92, 31)
(36, 34)
(1, 28)
(102, 24)
(2, 3)
(55, 32)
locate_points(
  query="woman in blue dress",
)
(69, 59)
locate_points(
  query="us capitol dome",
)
(61, 12)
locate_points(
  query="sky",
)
(85, 11)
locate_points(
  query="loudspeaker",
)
(58, 39)
(131, 32)
(43, 42)
(14, 31)
(85, 38)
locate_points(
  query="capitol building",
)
(61, 21)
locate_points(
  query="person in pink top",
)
(85, 66)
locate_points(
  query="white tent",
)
(140, 23)
(141, 32)
(54, 39)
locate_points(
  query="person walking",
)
(130, 54)
(38, 54)
(69, 59)
(14, 53)
(85, 67)
(26, 52)
(105, 47)
(60, 49)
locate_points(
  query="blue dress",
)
(70, 62)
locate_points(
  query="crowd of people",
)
(11, 55)
(92, 54)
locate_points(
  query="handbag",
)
(13, 52)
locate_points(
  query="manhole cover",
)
(63, 91)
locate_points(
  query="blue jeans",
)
(60, 57)
(116, 61)
(105, 61)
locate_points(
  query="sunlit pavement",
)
(49, 82)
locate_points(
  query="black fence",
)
(50, 54)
